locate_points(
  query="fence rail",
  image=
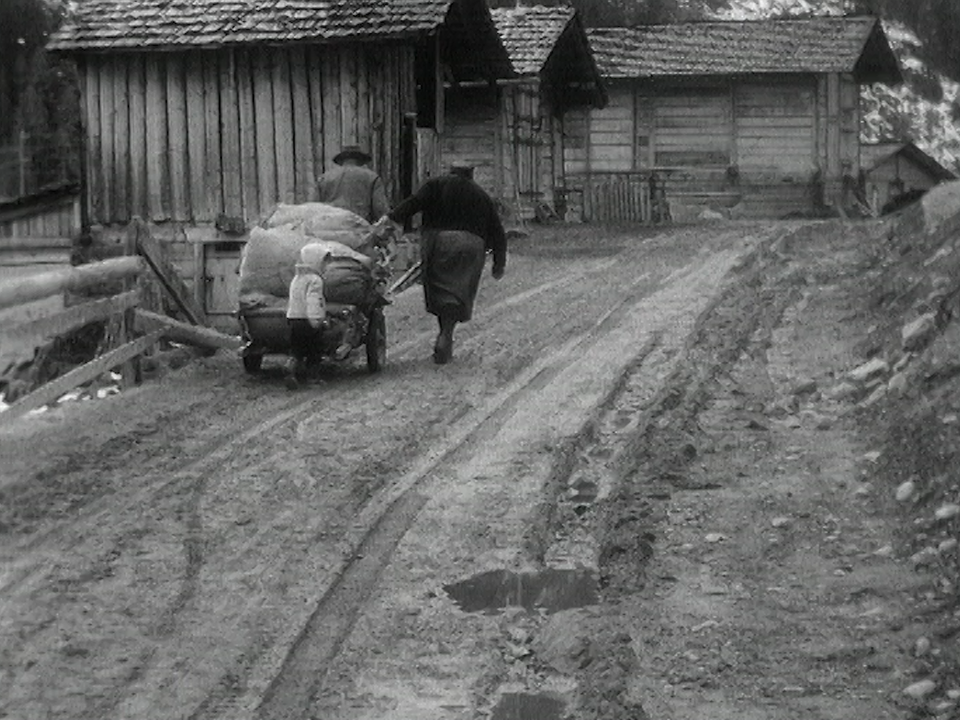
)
(141, 275)
(119, 307)
(627, 196)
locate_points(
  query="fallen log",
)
(147, 321)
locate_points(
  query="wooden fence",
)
(627, 196)
(143, 275)
(119, 307)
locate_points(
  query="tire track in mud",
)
(369, 549)
(381, 523)
(191, 474)
(636, 456)
(214, 453)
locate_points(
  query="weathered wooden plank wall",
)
(512, 138)
(761, 140)
(47, 219)
(192, 136)
(472, 134)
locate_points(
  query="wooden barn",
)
(894, 172)
(752, 118)
(513, 132)
(201, 116)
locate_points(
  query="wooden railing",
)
(136, 319)
(626, 196)
(119, 307)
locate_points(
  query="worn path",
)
(164, 551)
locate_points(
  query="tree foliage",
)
(38, 95)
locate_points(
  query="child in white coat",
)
(306, 311)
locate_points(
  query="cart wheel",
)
(376, 341)
(252, 363)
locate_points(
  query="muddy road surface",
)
(427, 542)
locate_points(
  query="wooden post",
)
(130, 373)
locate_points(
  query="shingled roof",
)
(551, 42)
(530, 34)
(809, 45)
(171, 24)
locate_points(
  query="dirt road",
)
(575, 518)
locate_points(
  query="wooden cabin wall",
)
(188, 137)
(472, 134)
(761, 141)
(509, 136)
(776, 146)
(894, 176)
(526, 142)
(53, 219)
(610, 144)
(838, 116)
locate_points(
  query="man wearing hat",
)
(460, 224)
(353, 186)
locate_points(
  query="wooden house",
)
(755, 118)
(893, 172)
(512, 132)
(201, 116)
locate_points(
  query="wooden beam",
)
(169, 279)
(72, 318)
(46, 284)
(182, 332)
(78, 376)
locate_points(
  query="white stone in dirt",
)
(924, 557)
(840, 391)
(863, 490)
(943, 707)
(953, 693)
(920, 689)
(897, 384)
(779, 522)
(906, 490)
(885, 551)
(715, 537)
(947, 545)
(921, 647)
(947, 511)
(950, 419)
(869, 370)
(916, 334)
(872, 456)
(876, 396)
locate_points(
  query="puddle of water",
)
(550, 590)
(524, 706)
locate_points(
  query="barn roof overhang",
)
(472, 45)
(570, 73)
(855, 45)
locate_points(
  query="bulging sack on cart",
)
(318, 220)
(269, 256)
(348, 281)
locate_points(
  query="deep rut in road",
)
(478, 496)
(387, 519)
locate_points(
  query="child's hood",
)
(312, 257)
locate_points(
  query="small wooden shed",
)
(513, 132)
(201, 115)
(892, 171)
(756, 118)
